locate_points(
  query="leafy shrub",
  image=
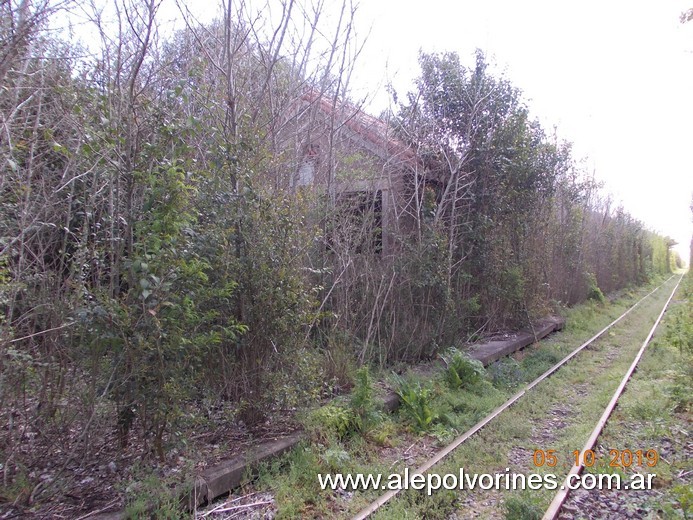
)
(442, 432)
(382, 433)
(680, 333)
(363, 404)
(335, 458)
(462, 371)
(340, 421)
(305, 385)
(331, 421)
(681, 391)
(593, 290)
(416, 402)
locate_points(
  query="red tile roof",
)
(371, 129)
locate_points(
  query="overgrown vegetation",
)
(562, 411)
(462, 371)
(438, 413)
(523, 507)
(416, 400)
(183, 220)
(339, 420)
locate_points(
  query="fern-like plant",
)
(416, 402)
(331, 421)
(363, 405)
(462, 371)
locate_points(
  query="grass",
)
(523, 506)
(151, 496)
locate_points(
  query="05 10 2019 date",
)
(588, 458)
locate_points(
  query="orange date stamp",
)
(588, 458)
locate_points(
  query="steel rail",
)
(386, 497)
(557, 503)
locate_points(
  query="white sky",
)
(615, 77)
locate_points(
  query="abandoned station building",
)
(375, 181)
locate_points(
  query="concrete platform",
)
(492, 351)
(489, 351)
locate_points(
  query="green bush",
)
(680, 332)
(681, 391)
(382, 433)
(416, 402)
(462, 371)
(363, 404)
(343, 420)
(593, 290)
(335, 458)
(332, 421)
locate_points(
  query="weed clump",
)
(680, 332)
(593, 291)
(341, 420)
(522, 507)
(363, 404)
(539, 361)
(462, 371)
(331, 421)
(416, 402)
(506, 373)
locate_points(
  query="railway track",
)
(555, 506)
